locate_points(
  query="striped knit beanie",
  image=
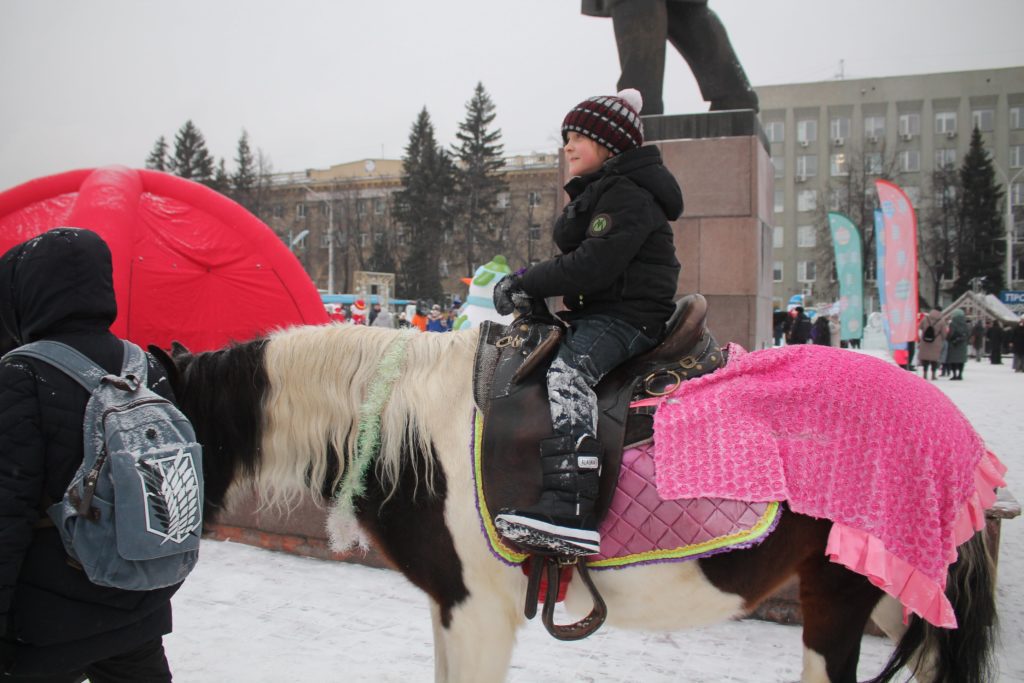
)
(612, 121)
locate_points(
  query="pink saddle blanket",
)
(841, 436)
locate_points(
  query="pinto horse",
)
(283, 414)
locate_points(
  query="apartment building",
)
(339, 220)
(830, 139)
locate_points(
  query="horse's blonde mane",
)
(319, 376)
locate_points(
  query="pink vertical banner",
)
(899, 224)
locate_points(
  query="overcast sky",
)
(93, 82)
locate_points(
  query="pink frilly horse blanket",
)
(842, 436)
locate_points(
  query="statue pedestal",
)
(724, 239)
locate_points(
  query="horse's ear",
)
(170, 366)
(178, 349)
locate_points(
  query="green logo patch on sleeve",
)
(600, 225)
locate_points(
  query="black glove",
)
(508, 293)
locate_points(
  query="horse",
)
(286, 414)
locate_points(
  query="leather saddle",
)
(510, 391)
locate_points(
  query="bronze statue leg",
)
(699, 36)
(641, 29)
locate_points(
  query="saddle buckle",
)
(649, 388)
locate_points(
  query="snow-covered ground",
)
(248, 615)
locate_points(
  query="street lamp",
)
(325, 198)
(1009, 221)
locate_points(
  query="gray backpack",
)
(132, 514)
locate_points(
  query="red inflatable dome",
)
(189, 264)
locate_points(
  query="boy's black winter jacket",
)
(618, 256)
(52, 619)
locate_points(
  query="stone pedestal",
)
(724, 238)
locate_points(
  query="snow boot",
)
(562, 522)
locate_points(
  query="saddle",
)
(511, 394)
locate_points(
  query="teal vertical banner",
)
(850, 272)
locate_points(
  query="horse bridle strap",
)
(555, 565)
(353, 483)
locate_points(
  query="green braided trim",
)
(353, 484)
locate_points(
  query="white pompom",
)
(633, 98)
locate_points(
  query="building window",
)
(839, 129)
(300, 210)
(806, 166)
(873, 163)
(839, 165)
(913, 194)
(780, 166)
(874, 128)
(806, 131)
(983, 119)
(945, 122)
(807, 200)
(400, 235)
(777, 271)
(834, 199)
(379, 205)
(534, 232)
(945, 158)
(442, 267)
(1016, 156)
(1017, 194)
(364, 239)
(806, 271)
(910, 125)
(910, 161)
(806, 236)
(775, 131)
(278, 210)
(502, 200)
(778, 237)
(1016, 118)
(534, 198)
(780, 200)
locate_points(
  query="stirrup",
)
(554, 564)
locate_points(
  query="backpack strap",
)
(63, 357)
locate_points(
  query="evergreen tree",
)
(221, 180)
(479, 153)
(191, 158)
(423, 205)
(243, 180)
(981, 222)
(157, 159)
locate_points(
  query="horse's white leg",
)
(888, 616)
(477, 643)
(814, 668)
(440, 647)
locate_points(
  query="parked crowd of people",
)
(434, 318)
(943, 346)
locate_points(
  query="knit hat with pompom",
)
(612, 121)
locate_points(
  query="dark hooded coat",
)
(618, 256)
(58, 286)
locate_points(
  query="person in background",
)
(1017, 343)
(436, 320)
(55, 625)
(403, 321)
(374, 312)
(978, 339)
(932, 333)
(957, 335)
(799, 328)
(820, 334)
(834, 329)
(994, 336)
(419, 319)
(383, 318)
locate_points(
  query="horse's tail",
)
(963, 654)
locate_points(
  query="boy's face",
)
(583, 154)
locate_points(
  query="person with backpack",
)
(56, 623)
(799, 329)
(932, 332)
